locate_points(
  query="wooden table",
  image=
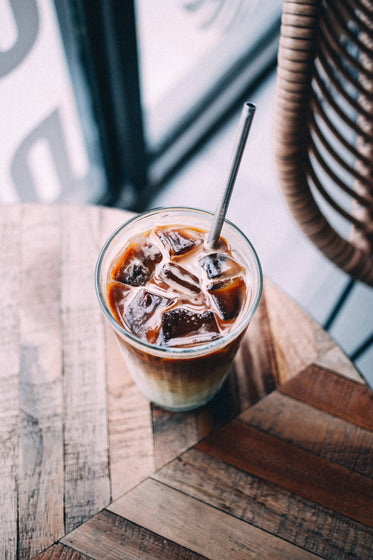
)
(279, 465)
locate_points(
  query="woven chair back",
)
(323, 127)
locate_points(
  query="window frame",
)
(101, 44)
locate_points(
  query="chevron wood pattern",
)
(278, 465)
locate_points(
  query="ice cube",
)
(117, 295)
(179, 278)
(229, 296)
(179, 241)
(190, 327)
(220, 265)
(143, 314)
(136, 266)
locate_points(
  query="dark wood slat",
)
(335, 394)
(313, 429)
(255, 363)
(295, 469)
(60, 552)
(109, 536)
(173, 433)
(267, 506)
(222, 408)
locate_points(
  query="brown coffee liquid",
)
(168, 288)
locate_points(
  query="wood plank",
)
(294, 469)
(267, 506)
(87, 487)
(129, 423)
(255, 362)
(222, 408)
(40, 473)
(321, 433)
(60, 552)
(293, 335)
(299, 341)
(330, 392)
(109, 536)
(10, 240)
(199, 527)
(174, 432)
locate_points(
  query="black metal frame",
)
(101, 46)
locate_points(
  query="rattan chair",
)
(323, 129)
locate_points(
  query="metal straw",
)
(244, 127)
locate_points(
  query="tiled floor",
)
(258, 209)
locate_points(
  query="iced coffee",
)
(178, 307)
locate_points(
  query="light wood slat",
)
(267, 506)
(110, 536)
(334, 394)
(9, 376)
(40, 473)
(321, 433)
(294, 469)
(129, 423)
(87, 487)
(299, 341)
(197, 526)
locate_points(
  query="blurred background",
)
(135, 104)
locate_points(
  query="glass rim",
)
(187, 351)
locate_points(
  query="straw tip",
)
(250, 106)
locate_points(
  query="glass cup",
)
(177, 378)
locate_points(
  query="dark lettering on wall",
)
(26, 17)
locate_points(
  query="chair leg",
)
(361, 348)
(338, 305)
